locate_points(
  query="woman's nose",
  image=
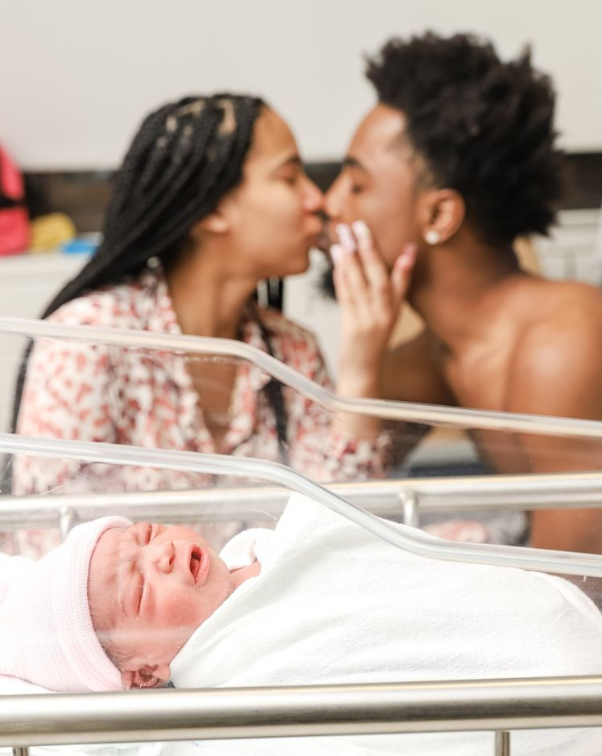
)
(162, 556)
(313, 200)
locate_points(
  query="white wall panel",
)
(75, 77)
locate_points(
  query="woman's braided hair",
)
(184, 158)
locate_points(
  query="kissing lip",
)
(198, 560)
(325, 238)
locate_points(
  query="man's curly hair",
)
(483, 128)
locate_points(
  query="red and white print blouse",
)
(144, 398)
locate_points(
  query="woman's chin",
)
(292, 264)
(300, 265)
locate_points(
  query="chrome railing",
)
(436, 415)
(391, 498)
(411, 540)
(498, 706)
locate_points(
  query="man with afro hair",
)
(455, 162)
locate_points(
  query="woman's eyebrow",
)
(293, 160)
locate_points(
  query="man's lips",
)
(327, 235)
(198, 563)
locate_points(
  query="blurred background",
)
(77, 78)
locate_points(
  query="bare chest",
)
(481, 382)
(478, 380)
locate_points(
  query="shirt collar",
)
(161, 318)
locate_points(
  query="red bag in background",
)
(14, 222)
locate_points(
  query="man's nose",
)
(332, 203)
(162, 556)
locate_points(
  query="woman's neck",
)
(208, 299)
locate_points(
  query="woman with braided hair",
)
(210, 200)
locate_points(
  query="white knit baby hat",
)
(46, 632)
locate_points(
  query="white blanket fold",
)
(334, 604)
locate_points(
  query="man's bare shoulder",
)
(558, 351)
(562, 315)
(583, 295)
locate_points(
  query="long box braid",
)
(184, 158)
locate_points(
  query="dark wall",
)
(83, 195)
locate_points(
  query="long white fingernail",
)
(346, 237)
(407, 257)
(336, 252)
(361, 230)
(409, 251)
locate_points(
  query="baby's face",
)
(150, 587)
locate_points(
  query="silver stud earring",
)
(432, 237)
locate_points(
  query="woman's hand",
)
(370, 298)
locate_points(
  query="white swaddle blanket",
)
(334, 604)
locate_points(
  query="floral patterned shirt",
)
(147, 398)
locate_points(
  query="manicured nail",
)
(409, 251)
(360, 229)
(336, 252)
(346, 237)
(408, 256)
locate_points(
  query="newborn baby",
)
(122, 605)
(317, 600)
(149, 588)
(110, 607)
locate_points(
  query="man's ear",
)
(146, 676)
(442, 213)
